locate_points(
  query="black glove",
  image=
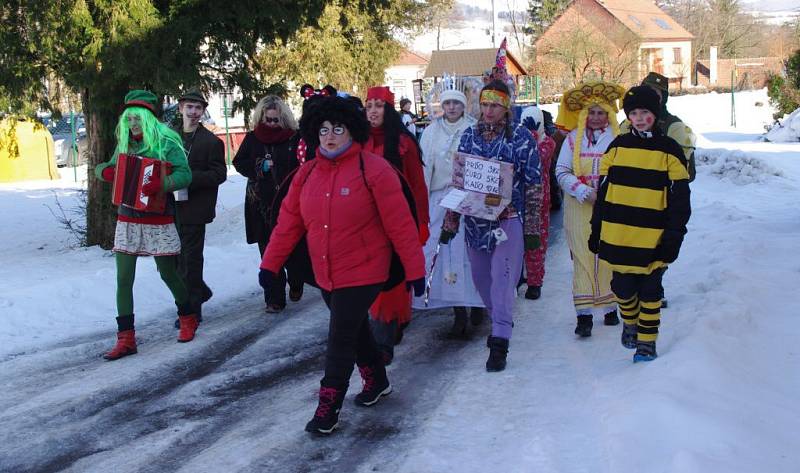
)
(265, 277)
(669, 247)
(418, 285)
(594, 242)
(446, 236)
(532, 242)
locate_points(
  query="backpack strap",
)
(403, 185)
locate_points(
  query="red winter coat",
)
(350, 230)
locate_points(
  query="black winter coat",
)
(207, 162)
(263, 187)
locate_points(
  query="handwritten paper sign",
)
(482, 176)
(481, 186)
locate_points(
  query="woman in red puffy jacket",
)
(388, 137)
(349, 204)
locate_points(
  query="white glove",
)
(585, 193)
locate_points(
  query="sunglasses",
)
(272, 120)
(337, 130)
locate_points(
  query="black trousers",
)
(277, 290)
(190, 263)
(647, 287)
(350, 339)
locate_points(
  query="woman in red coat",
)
(388, 137)
(350, 206)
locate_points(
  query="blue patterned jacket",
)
(521, 150)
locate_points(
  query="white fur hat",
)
(451, 94)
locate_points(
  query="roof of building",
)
(410, 58)
(469, 62)
(645, 19)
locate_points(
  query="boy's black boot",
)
(629, 335)
(645, 351)
(584, 327)
(376, 385)
(326, 417)
(498, 350)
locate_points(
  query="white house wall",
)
(215, 109)
(671, 68)
(399, 79)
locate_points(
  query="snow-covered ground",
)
(721, 396)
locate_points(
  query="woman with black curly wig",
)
(350, 206)
(388, 137)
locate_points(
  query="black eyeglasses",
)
(271, 120)
(337, 130)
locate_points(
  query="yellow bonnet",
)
(575, 105)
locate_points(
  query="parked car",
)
(65, 147)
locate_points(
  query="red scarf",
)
(377, 140)
(271, 135)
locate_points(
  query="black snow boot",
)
(645, 351)
(584, 327)
(533, 292)
(629, 335)
(459, 328)
(498, 350)
(476, 315)
(611, 318)
(326, 417)
(376, 385)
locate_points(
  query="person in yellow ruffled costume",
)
(588, 113)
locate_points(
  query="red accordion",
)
(133, 172)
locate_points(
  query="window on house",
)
(399, 89)
(226, 104)
(636, 20)
(662, 24)
(678, 59)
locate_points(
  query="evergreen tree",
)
(348, 48)
(101, 49)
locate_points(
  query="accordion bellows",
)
(131, 173)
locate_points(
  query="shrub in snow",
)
(787, 130)
(735, 165)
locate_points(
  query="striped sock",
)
(629, 310)
(649, 320)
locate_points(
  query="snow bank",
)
(787, 130)
(736, 165)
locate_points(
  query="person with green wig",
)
(141, 233)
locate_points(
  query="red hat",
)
(383, 93)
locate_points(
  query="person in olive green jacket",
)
(141, 233)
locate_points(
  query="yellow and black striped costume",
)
(644, 194)
(640, 216)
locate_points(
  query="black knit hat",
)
(641, 96)
(654, 79)
(338, 111)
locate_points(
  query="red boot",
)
(126, 345)
(188, 327)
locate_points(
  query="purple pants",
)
(496, 274)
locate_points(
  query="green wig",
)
(155, 135)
